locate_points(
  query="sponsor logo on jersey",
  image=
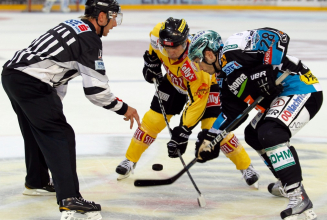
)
(213, 99)
(202, 90)
(78, 26)
(309, 78)
(269, 53)
(297, 125)
(219, 81)
(282, 36)
(237, 83)
(154, 42)
(230, 67)
(250, 100)
(278, 102)
(223, 60)
(163, 96)
(188, 72)
(176, 81)
(99, 65)
(258, 75)
(273, 112)
(292, 108)
(229, 47)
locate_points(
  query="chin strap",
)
(213, 64)
(102, 27)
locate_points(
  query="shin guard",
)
(152, 124)
(232, 149)
(286, 163)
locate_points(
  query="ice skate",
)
(251, 176)
(299, 203)
(125, 168)
(79, 209)
(47, 190)
(274, 188)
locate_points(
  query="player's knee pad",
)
(235, 151)
(251, 138)
(271, 133)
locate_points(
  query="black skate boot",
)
(273, 188)
(85, 209)
(299, 203)
(47, 190)
(125, 168)
(251, 176)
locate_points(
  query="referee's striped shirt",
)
(68, 50)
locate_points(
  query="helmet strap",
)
(102, 27)
(213, 64)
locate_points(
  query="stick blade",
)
(152, 182)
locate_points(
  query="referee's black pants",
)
(49, 140)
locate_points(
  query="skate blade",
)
(306, 215)
(73, 215)
(121, 177)
(310, 215)
(38, 192)
(256, 185)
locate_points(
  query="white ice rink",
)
(103, 136)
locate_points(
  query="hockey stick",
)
(201, 200)
(158, 182)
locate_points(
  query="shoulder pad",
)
(154, 36)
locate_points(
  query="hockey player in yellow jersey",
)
(183, 82)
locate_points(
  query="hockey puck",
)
(157, 167)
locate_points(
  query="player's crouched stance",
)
(250, 73)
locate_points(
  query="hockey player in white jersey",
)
(36, 80)
(248, 64)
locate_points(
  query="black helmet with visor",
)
(110, 7)
(173, 32)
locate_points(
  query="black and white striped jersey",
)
(64, 52)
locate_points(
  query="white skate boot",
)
(251, 176)
(125, 168)
(299, 203)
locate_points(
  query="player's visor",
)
(118, 18)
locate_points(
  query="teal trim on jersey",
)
(293, 85)
(242, 88)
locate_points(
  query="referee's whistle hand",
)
(130, 115)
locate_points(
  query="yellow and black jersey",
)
(187, 78)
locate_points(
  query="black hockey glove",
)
(152, 67)
(178, 140)
(264, 77)
(204, 138)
